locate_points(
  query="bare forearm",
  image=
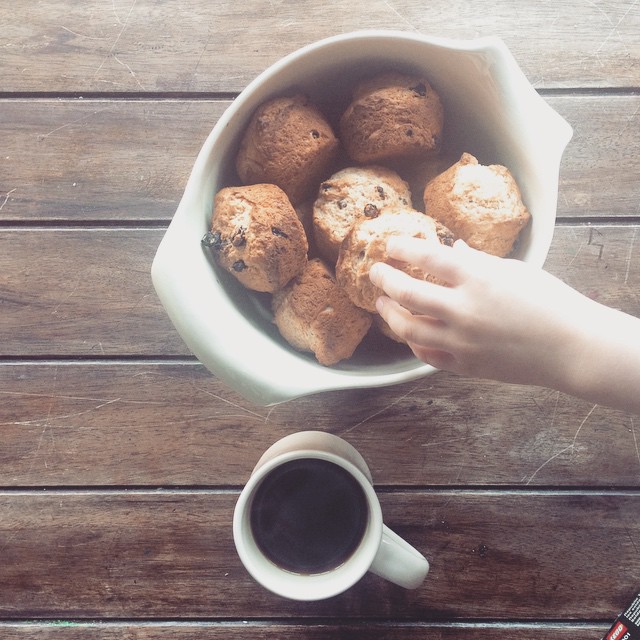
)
(607, 364)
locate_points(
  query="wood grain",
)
(82, 292)
(97, 160)
(599, 172)
(245, 630)
(198, 45)
(72, 160)
(145, 424)
(122, 457)
(170, 554)
(87, 292)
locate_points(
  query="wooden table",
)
(121, 457)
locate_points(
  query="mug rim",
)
(298, 586)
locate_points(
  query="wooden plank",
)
(144, 424)
(98, 395)
(71, 160)
(130, 46)
(72, 630)
(99, 160)
(82, 292)
(98, 299)
(170, 555)
(599, 170)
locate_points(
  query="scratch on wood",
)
(606, 15)
(195, 69)
(385, 408)
(571, 447)
(49, 418)
(578, 250)
(99, 345)
(81, 35)
(126, 66)
(115, 42)
(631, 540)
(596, 244)
(575, 437)
(614, 29)
(388, 5)
(69, 124)
(472, 436)
(6, 197)
(47, 425)
(65, 397)
(68, 297)
(544, 464)
(115, 13)
(629, 255)
(234, 404)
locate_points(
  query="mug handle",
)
(398, 562)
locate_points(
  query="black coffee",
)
(308, 516)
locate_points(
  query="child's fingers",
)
(433, 258)
(416, 295)
(436, 358)
(420, 330)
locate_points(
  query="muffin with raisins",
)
(366, 244)
(349, 195)
(290, 143)
(256, 236)
(392, 116)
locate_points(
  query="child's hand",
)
(499, 318)
(506, 320)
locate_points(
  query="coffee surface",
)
(308, 516)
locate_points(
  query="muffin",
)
(392, 116)
(314, 314)
(480, 204)
(349, 195)
(256, 236)
(365, 245)
(290, 143)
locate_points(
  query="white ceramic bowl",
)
(491, 111)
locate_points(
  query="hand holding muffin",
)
(506, 320)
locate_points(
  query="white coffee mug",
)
(308, 523)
